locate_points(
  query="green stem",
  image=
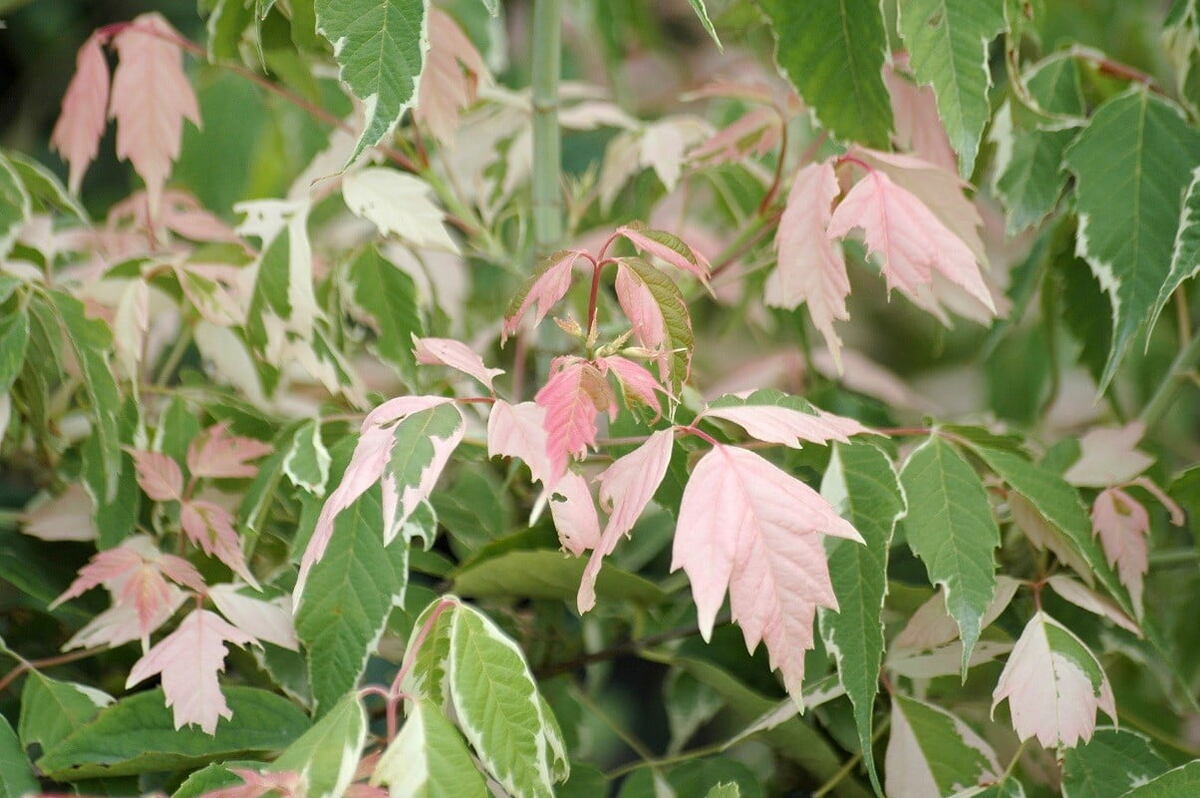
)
(547, 138)
(1161, 401)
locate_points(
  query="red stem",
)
(699, 433)
(597, 269)
(856, 161)
(395, 694)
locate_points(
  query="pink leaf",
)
(548, 285)
(456, 355)
(367, 466)
(669, 247)
(911, 241)
(1170, 505)
(519, 431)
(68, 516)
(158, 475)
(1082, 596)
(189, 660)
(574, 514)
(746, 526)
(210, 526)
(635, 380)
(756, 131)
(453, 69)
(1048, 683)
(151, 96)
(811, 268)
(217, 454)
(287, 784)
(787, 426)
(80, 126)
(1122, 524)
(1109, 456)
(932, 627)
(268, 621)
(574, 394)
(626, 487)
(121, 624)
(644, 314)
(919, 129)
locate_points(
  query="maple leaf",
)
(1082, 596)
(189, 660)
(287, 784)
(574, 514)
(919, 128)
(644, 314)
(666, 246)
(151, 96)
(210, 526)
(1122, 523)
(370, 463)
(756, 132)
(67, 516)
(158, 475)
(1054, 685)
(219, 455)
(747, 526)
(626, 487)
(545, 288)
(810, 267)
(774, 417)
(456, 355)
(450, 78)
(520, 431)
(121, 623)
(574, 394)
(635, 380)
(268, 621)
(912, 243)
(1109, 456)
(80, 126)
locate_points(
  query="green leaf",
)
(1029, 175)
(1140, 148)
(1059, 504)
(380, 48)
(327, 753)
(675, 315)
(226, 24)
(52, 710)
(934, 747)
(1110, 764)
(702, 14)
(947, 42)
(546, 574)
(833, 51)
(861, 482)
(428, 759)
(92, 342)
(138, 735)
(45, 187)
(499, 708)
(388, 296)
(1182, 782)
(178, 426)
(726, 789)
(307, 460)
(14, 340)
(14, 205)
(347, 598)
(417, 442)
(950, 527)
(115, 517)
(1185, 255)
(427, 676)
(16, 774)
(213, 777)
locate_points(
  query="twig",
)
(48, 662)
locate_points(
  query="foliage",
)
(367, 447)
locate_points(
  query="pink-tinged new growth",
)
(574, 394)
(520, 431)
(786, 426)
(286, 784)
(121, 624)
(811, 268)
(179, 212)
(456, 355)
(549, 285)
(667, 247)
(268, 621)
(1083, 596)
(635, 380)
(80, 126)
(158, 475)
(1054, 685)
(756, 132)
(189, 660)
(67, 516)
(747, 526)
(217, 454)
(151, 96)
(574, 514)
(1109, 456)
(1122, 524)
(911, 242)
(368, 464)
(919, 129)
(451, 76)
(136, 573)
(645, 316)
(626, 487)
(210, 526)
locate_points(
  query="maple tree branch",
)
(49, 662)
(1115, 69)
